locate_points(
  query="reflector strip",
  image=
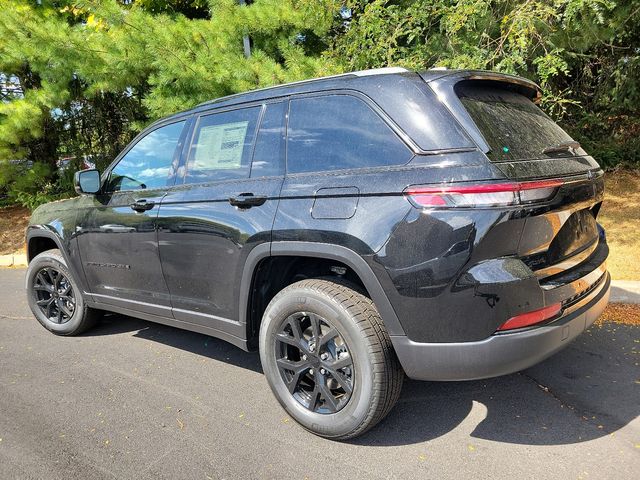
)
(531, 318)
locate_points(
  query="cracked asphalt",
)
(132, 399)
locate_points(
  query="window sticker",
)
(220, 146)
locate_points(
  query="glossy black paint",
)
(187, 254)
(204, 242)
(119, 252)
(465, 276)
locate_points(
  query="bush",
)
(26, 184)
(613, 140)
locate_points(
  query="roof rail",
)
(380, 71)
(360, 73)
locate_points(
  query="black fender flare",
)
(41, 231)
(319, 250)
(38, 231)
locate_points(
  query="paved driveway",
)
(132, 399)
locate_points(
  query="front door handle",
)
(247, 200)
(142, 205)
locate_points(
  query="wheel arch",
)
(39, 239)
(311, 250)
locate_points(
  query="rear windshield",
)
(513, 126)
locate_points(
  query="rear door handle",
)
(142, 205)
(247, 200)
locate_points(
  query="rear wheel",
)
(328, 358)
(54, 296)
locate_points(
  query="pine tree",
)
(88, 74)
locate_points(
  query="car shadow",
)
(584, 392)
(204, 345)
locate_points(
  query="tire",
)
(50, 282)
(363, 392)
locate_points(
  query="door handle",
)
(142, 205)
(247, 200)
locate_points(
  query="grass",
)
(13, 223)
(620, 216)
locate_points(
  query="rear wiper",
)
(570, 147)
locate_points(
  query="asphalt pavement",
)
(135, 400)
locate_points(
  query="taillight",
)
(482, 194)
(531, 318)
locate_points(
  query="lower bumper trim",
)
(499, 354)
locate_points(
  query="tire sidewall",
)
(54, 260)
(355, 412)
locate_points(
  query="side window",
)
(221, 148)
(337, 132)
(148, 163)
(268, 156)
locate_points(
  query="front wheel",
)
(328, 358)
(54, 296)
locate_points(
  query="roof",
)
(311, 81)
(358, 78)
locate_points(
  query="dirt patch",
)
(13, 222)
(620, 216)
(627, 314)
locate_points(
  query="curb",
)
(625, 291)
(13, 260)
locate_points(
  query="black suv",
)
(354, 229)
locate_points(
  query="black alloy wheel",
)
(315, 363)
(54, 295)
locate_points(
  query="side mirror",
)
(87, 181)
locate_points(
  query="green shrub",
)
(32, 200)
(27, 185)
(613, 140)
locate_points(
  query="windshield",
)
(513, 126)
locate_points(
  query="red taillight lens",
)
(531, 318)
(482, 195)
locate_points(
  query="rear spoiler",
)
(527, 87)
(443, 83)
(531, 89)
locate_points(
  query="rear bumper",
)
(504, 353)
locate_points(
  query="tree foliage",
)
(80, 77)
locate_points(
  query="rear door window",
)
(222, 146)
(339, 132)
(268, 155)
(513, 126)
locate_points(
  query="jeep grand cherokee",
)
(354, 229)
